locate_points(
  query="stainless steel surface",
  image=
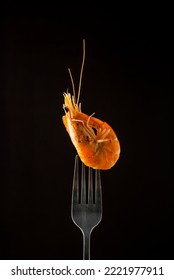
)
(86, 208)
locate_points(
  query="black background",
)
(128, 82)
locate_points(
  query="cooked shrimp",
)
(95, 141)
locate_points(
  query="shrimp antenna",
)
(73, 87)
(81, 72)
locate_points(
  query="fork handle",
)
(86, 246)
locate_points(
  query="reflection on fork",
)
(86, 207)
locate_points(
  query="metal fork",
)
(86, 207)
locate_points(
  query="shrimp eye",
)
(66, 109)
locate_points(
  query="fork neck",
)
(86, 246)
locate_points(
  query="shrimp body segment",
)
(95, 141)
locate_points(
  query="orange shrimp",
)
(95, 141)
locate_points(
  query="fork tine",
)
(83, 185)
(98, 192)
(75, 197)
(90, 187)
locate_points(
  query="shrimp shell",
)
(95, 141)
